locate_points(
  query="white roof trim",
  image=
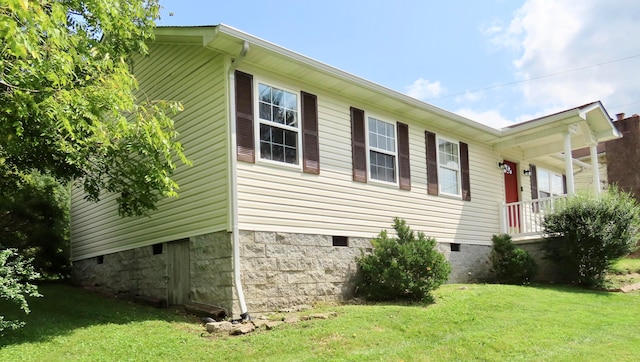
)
(210, 33)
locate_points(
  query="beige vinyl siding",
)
(196, 78)
(282, 199)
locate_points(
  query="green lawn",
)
(467, 322)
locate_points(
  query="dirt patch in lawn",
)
(623, 282)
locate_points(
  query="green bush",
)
(405, 267)
(511, 265)
(585, 235)
(15, 274)
(34, 211)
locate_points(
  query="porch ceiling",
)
(543, 137)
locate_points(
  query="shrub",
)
(511, 265)
(405, 267)
(585, 235)
(15, 274)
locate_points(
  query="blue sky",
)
(494, 61)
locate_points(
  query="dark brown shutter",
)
(464, 164)
(310, 147)
(564, 184)
(244, 117)
(358, 145)
(432, 163)
(533, 175)
(404, 169)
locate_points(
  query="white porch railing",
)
(524, 218)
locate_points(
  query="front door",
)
(511, 194)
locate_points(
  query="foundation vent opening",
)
(157, 248)
(340, 240)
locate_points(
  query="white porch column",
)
(593, 149)
(568, 164)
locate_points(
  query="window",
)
(549, 183)
(449, 167)
(279, 128)
(379, 150)
(382, 150)
(280, 124)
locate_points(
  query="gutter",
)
(235, 230)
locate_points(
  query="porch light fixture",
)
(526, 172)
(505, 168)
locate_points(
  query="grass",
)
(626, 266)
(624, 271)
(467, 322)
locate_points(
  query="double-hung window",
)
(549, 183)
(279, 126)
(449, 167)
(382, 150)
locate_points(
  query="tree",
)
(34, 220)
(15, 274)
(585, 235)
(70, 107)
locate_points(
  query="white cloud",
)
(492, 29)
(491, 118)
(571, 47)
(423, 89)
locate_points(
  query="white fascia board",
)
(350, 78)
(208, 34)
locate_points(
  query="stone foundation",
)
(470, 264)
(547, 270)
(278, 270)
(140, 273)
(129, 273)
(212, 270)
(281, 270)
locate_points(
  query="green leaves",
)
(405, 267)
(586, 234)
(69, 107)
(15, 272)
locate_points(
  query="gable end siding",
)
(196, 78)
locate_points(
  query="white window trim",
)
(258, 121)
(458, 171)
(551, 174)
(369, 149)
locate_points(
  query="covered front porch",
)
(538, 166)
(523, 219)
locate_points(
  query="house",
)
(297, 165)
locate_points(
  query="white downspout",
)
(233, 181)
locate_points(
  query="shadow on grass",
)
(570, 289)
(64, 308)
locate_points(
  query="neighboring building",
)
(297, 165)
(616, 158)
